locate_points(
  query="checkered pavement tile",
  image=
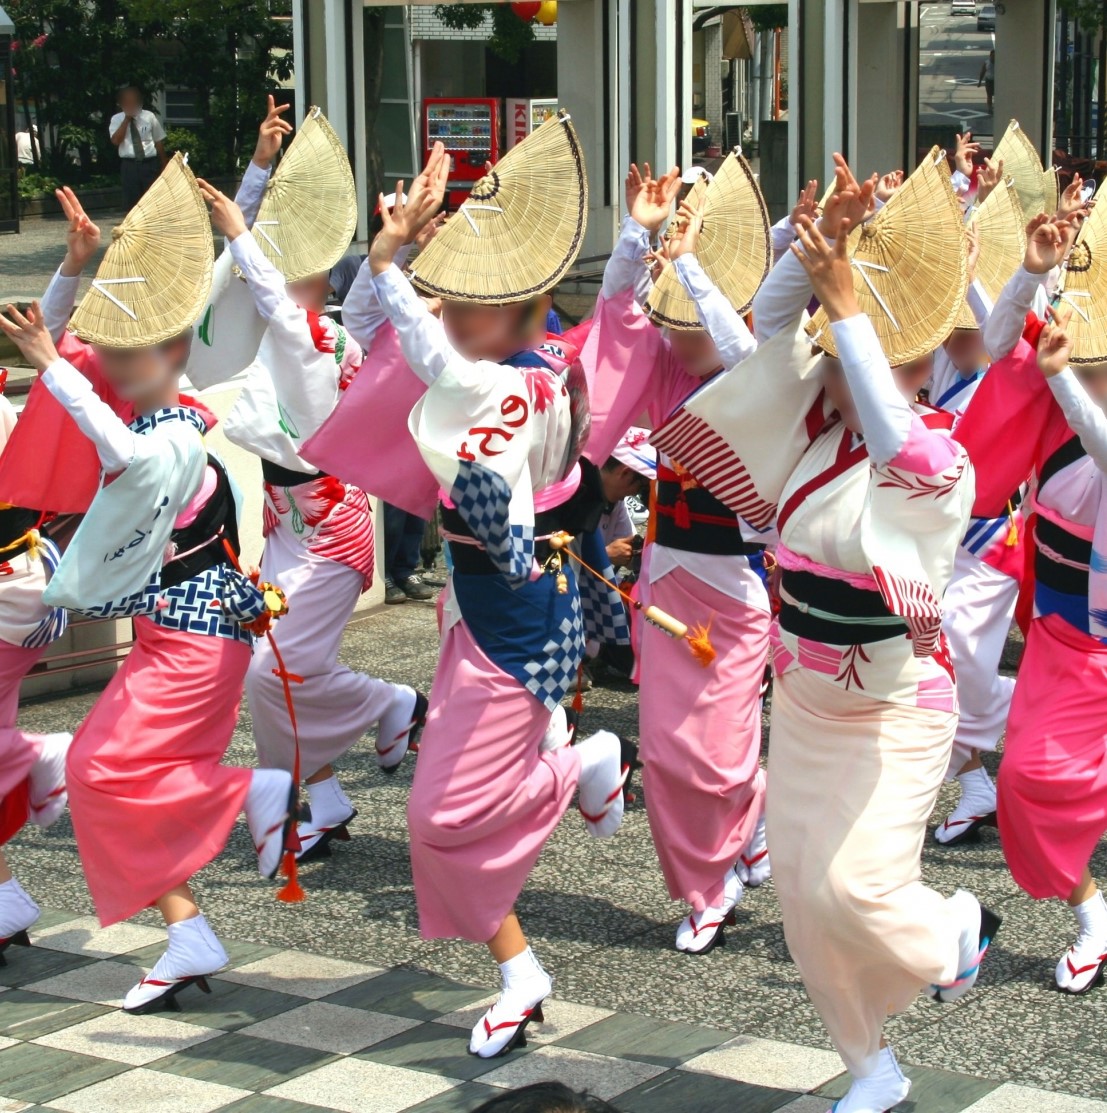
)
(290, 1032)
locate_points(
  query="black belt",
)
(843, 610)
(580, 513)
(277, 476)
(694, 521)
(1053, 574)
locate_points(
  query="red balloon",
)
(526, 12)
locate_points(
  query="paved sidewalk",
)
(292, 1032)
(599, 919)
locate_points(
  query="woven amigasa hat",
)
(734, 250)
(520, 229)
(910, 268)
(1037, 188)
(155, 276)
(308, 214)
(1002, 227)
(1083, 289)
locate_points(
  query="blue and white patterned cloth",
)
(533, 632)
(215, 603)
(481, 496)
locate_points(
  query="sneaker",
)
(414, 588)
(393, 593)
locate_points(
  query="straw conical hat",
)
(308, 215)
(734, 249)
(1002, 227)
(155, 276)
(965, 319)
(1083, 289)
(910, 267)
(1037, 188)
(521, 227)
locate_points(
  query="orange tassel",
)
(699, 641)
(291, 892)
(1012, 529)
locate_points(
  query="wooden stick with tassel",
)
(697, 637)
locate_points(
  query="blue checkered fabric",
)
(481, 497)
(605, 616)
(55, 620)
(551, 674)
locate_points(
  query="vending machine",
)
(469, 128)
(522, 116)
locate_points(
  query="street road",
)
(951, 53)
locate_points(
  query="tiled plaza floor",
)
(379, 1023)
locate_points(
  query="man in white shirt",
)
(24, 147)
(140, 138)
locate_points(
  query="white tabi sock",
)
(1092, 916)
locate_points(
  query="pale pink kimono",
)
(699, 729)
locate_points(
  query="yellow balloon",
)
(547, 14)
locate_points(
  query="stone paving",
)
(338, 1004)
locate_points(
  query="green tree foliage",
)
(510, 34)
(768, 17)
(1090, 14)
(74, 55)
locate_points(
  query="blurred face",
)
(965, 348)
(146, 377)
(910, 378)
(1094, 378)
(696, 351)
(130, 101)
(620, 481)
(494, 332)
(311, 293)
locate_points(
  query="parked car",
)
(986, 17)
(962, 7)
(701, 136)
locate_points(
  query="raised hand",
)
(429, 230)
(851, 202)
(887, 185)
(987, 178)
(406, 219)
(827, 264)
(1055, 344)
(1072, 205)
(972, 234)
(963, 153)
(225, 214)
(807, 204)
(271, 134)
(30, 335)
(1047, 243)
(653, 201)
(82, 237)
(686, 240)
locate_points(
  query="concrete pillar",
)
(662, 60)
(884, 111)
(1024, 71)
(587, 89)
(713, 79)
